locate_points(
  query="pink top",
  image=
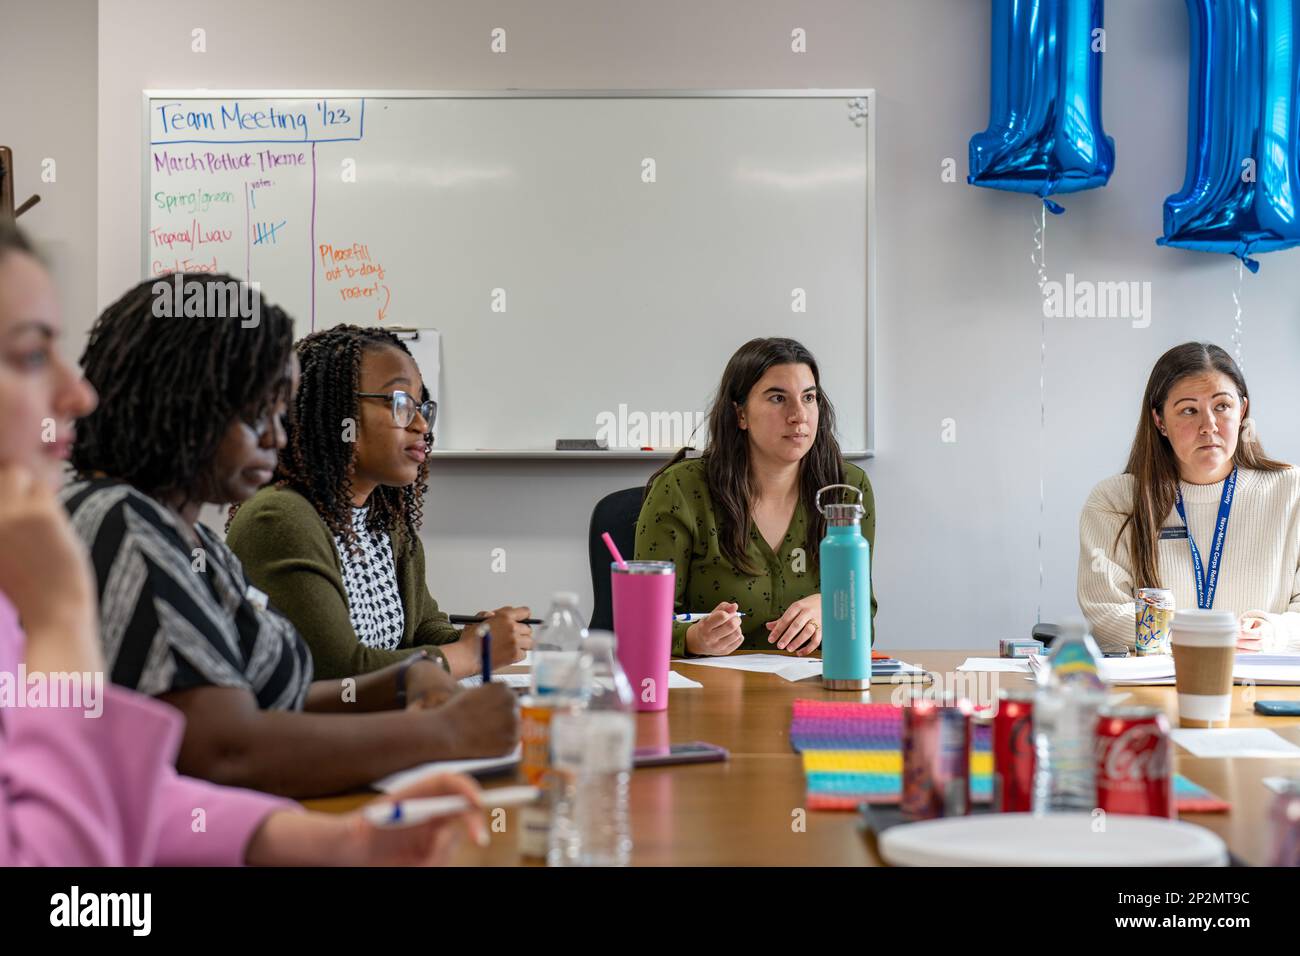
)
(82, 791)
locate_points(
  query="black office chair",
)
(616, 513)
(1046, 632)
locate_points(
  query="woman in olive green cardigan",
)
(739, 522)
(334, 542)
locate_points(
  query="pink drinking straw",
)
(613, 549)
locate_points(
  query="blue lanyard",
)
(1205, 589)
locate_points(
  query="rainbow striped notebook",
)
(852, 755)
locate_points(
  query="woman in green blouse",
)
(739, 522)
(334, 540)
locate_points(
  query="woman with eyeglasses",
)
(192, 412)
(335, 541)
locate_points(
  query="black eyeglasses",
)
(404, 407)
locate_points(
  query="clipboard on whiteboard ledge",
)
(426, 349)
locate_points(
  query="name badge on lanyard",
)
(1208, 581)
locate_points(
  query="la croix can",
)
(1153, 612)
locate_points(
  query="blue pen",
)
(485, 639)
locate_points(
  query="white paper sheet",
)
(404, 778)
(522, 681)
(1015, 665)
(790, 668)
(1234, 742)
(510, 680)
(1277, 784)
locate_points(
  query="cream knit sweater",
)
(1259, 573)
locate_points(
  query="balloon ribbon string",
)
(1039, 259)
(1236, 321)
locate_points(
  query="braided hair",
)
(171, 382)
(318, 461)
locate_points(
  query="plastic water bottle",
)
(1065, 724)
(591, 762)
(557, 645)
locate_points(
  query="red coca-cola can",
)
(1013, 752)
(1134, 762)
(936, 758)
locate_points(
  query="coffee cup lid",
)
(1195, 619)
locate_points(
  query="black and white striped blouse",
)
(174, 617)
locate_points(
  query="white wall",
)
(48, 112)
(959, 315)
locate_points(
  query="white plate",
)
(1060, 839)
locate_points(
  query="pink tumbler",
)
(643, 624)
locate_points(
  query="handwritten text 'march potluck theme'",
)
(174, 161)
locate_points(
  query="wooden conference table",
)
(742, 812)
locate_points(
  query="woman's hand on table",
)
(799, 629)
(718, 634)
(511, 640)
(288, 838)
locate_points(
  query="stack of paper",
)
(1278, 669)
(1267, 668)
(1155, 669)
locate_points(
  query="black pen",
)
(475, 619)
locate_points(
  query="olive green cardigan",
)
(288, 551)
(678, 523)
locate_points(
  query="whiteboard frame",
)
(868, 94)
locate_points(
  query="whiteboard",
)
(590, 260)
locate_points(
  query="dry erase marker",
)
(694, 617)
(407, 813)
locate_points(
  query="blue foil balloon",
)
(1044, 135)
(1243, 133)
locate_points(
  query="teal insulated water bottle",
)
(846, 595)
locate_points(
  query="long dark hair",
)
(170, 383)
(1152, 461)
(318, 461)
(726, 455)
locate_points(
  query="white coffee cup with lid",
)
(1205, 649)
